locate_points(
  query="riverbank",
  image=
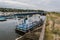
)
(52, 27)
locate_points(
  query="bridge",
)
(31, 13)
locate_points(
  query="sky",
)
(47, 5)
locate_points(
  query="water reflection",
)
(7, 30)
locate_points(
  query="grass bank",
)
(52, 31)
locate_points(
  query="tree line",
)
(18, 10)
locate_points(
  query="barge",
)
(29, 23)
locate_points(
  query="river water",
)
(7, 29)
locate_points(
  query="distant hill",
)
(18, 10)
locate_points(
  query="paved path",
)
(42, 32)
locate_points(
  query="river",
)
(7, 29)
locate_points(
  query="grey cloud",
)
(48, 5)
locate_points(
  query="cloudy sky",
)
(47, 5)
